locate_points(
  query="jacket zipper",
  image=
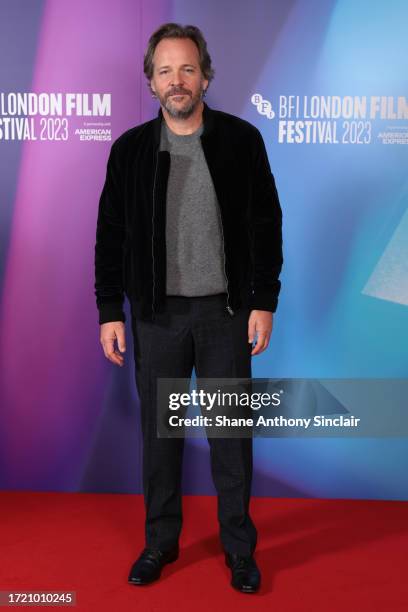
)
(228, 307)
(153, 267)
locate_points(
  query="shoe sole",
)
(244, 590)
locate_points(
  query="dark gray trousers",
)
(193, 332)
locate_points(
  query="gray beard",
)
(182, 113)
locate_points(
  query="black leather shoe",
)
(245, 574)
(149, 565)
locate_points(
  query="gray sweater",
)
(195, 258)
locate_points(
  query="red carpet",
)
(314, 555)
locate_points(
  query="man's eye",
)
(163, 72)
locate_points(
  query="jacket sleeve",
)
(266, 231)
(110, 234)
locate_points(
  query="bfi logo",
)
(264, 107)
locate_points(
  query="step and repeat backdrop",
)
(326, 83)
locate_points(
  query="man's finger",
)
(107, 345)
(261, 343)
(251, 330)
(109, 350)
(120, 335)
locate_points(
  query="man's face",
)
(177, 79)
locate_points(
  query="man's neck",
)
(185, 126)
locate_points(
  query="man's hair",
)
(175, 30)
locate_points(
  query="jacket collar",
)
(208, 123)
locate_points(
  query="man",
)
(189, 228)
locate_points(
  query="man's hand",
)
(110, 332)
(260, 322)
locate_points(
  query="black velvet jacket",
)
(130, 249)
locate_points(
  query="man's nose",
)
(177, 80)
